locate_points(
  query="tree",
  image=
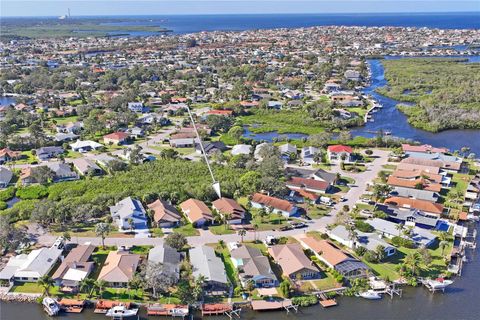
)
(102, 230)
(66, 236)
(135, 155)
(399, 228)
(176, 240)
(169, 154)
(42, 174)
(352, 235)
(198, 287)
(380, 252)
(158, 278)
(242, 233)
(250, 286)
(413, 261)
(381, 191)
(236, 132)
(250, 182)
(46, 282)
(100, 287)
(285, 288)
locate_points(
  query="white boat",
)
(50, 306)
(120, 312)
(439, 284)
(370, 295)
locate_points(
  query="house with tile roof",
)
(164, 214)
(294, 263)
(252, 265)
(119, 268)
(76, 266)
(196, 212)
(422, 205)
(274, 205)
(229, 209)
(337, 153)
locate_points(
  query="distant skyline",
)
(9, 8)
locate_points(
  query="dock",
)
(171, 310)
(71, 305)
(215, 309)
(102, 306)
(270, 305)
(326, 302)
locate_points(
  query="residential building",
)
(337, 153)
(335, 258)
(164, 214)
(241, 149)
(8, 155)
(422, 205)
(295, 265)
(6, 176)
(421, 237)
(308, 154)
(76, 266)
(211, 147)
(205, 263)
(119, 268)
(62, 171)
(86, 167)
(168, 257)
(129, 214)
(46, 153)
(117, 138)
(196, 212)
(229, 209)
(253, 266)
(274, 205)
(309, 185)
(409, 216)
(84, 146)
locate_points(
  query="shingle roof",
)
(206, 263)
(276, 203)
(164, 211)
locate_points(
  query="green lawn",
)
(318, 211)
(65, 120)
(187, 230)
(142, 250)
(221, 229)
(229, 267)
(327, 282)
(157, 232)
(27, 287)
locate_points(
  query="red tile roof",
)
(311, 184)
(421, 205)
(116, 136)
(340, 148)
(276, 203)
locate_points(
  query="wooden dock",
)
(270, 305)
(215, 309)
(71, 305)
(102, 306)
(326, 302)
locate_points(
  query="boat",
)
(174, 310)
(370, 295)
(439, 283)
(50, 306)
(120, 312)
(102, 306)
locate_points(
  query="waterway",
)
(389, 118)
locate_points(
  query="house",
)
(229, 209)
(64, 137)
(70, 128)
(46, 153)
(6, 176)
(253, 266)
(425, 148)
(422, 205)
(136, 132)
(117, 138)
(129, 211)
(84, 146)
(8, 155)
(183, 140)
(352, 75)
(338, 153)
(287, 150)
(335, 258)
(74, 268)
(137, 107)
(205, 263)
(104, 159)
(86, 167)
(196, 212)
(225, 113)
(164, 214)
(421, 237)
(32, 266)
(62, 172)
(241, 149)
(444, 165)
(420, 183)
(322, 175)
(211, 147)
(409, 216)
(119, 268)
(309, 185)
(295, 265)
(308, 154)
(275, 205)
(169, 258)
(368, 240)
(415, 194)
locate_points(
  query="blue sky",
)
(151, 7)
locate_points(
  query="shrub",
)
(360, 251)
(7, 194)
(402, 242)
(363, 226)
(370, 256)
(32, 192)
(305, 301)
(3, 205)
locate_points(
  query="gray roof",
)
(61, 170)
(126, 208)
(5, 175)
(369, 241)
(433, 156)
(169, 257)
(254, 262)
(84, 165)
(419, 236)
(321, 174)
(411, 215)
(415, 193)
(288, 148)
(206, 263)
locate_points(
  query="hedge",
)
(32, 192)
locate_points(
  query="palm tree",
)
(352, 235)
(380, 252)
(46, 282)
(131, 223)
(242, 233)
(399, 228)
(102, 230)
(443, 237)
(100, 286)
(380, 191)
(255, 228)
(413, 261)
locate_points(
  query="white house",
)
(308, 153)
(338, 153)
(86, 145)
(276, 205)
(126, 210)
(241, 149)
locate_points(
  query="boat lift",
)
(216, 184)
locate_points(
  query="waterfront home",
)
(196, 212)
(84, 146)
(295, 265)
(241, 149)
(287, 150)
(335, 258)
(6, 176)
(409, 216)
(274, 205)
(117, 138)
(472, 194)
(425, 148)
(46, 153)
(307, 154)
(205, 263)
(415, 194)
(164, 214)
(86, 167)
(168, 257)
(211, 147)
(32, 266)
(119, 268)
(253, 266)
(309, 185)
(368, 240)
(229, 209)
(338, 153)
(62, 172)
(422, 205)
(74, 268)
(444, 165)
(8, 155)
(421, 237)
(183, 140)
(129, 214)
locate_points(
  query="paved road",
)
(353, 196)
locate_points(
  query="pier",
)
(264, 305)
